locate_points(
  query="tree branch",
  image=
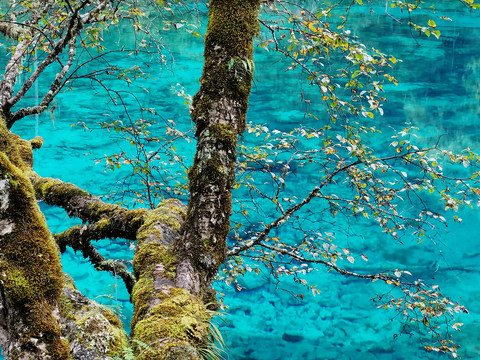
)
(330, 265)
(290, 211)
(55, 88)
(79, 237)
(89, 208)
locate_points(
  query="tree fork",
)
(219, 111)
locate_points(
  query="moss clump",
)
(16, 284)
(112, 318)
(232, 25)
(142, 297)
(150, 254)
(36, 142)
(168, 212)
(31, 269)
(224, 133)
(180, 318)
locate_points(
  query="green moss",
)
(111, 317)
(150, 254)
(232, 25)
(16, 284)
(97, 210)
(36, 142)
(135, 216)
(180, 318)
(102, 224)
(225, 133)
(142, 295)
(30, 263)
(167, 212)
(118, 342)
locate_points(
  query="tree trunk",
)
(40, 312)
(219, 111)
(173, 322)
(44, 317)
(31, 277)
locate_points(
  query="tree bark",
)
(171, 320)
(219, 111)
(44, 317)
(31, 277)
(179, 250)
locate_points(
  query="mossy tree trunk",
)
(179, 251)
(219, 111)
(43, 316)
(31, 277)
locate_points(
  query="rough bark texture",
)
(219, 111)
(93, 331)
(172, 320)
(31, 277)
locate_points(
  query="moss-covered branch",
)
(89, 208)
(79, 237)
(173, 321)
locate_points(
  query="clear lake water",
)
(438, 91)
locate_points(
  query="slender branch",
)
(314, 193)
(55, 88)
(296, 256)
(73, 29)
(77, 238)
(11, 72)
(286, 216)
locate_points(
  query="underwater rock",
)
(292, 337)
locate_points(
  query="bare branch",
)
(289, 212)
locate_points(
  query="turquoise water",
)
(438, 92)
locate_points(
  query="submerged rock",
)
(293, 338)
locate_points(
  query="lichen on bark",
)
(219, 111)
(93, 330)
